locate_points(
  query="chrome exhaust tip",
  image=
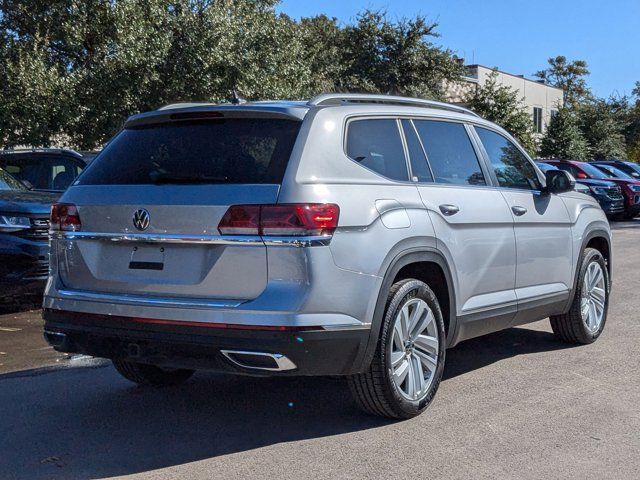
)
(274, 362)
(55, 339)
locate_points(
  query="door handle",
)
(518, 211)
(448, 210)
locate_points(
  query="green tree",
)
(603, 124)
(570, 76)
(500, 104)
(632, 131)
(73, 71)
(563, 138)
(382, 56)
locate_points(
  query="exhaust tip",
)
(57, 340)
(274, 362)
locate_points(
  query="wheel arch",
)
(600, 239)
(413, 262)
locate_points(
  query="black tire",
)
(374, 390)
(570, 326)
(143, 374)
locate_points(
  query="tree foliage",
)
(603, 123)
(501, 104)
(563, 138)
(632, 131)
(74, 70)
(570, 76)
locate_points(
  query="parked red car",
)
(630, 187)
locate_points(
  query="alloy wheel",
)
(593, 300)
(414, 349)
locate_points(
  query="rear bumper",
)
(312, 351)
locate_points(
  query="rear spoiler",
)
(212, 112)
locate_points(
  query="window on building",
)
(450, 152)
(537, 119)
(554, 114)
(513, 169)
(376, 144)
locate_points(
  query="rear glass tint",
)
(204, 151)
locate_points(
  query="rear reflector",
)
(117, 322)
(65, 216)
(304, 219)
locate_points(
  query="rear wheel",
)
(407, 367)
(585, 320)
(143, 374)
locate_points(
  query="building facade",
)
(540, 99)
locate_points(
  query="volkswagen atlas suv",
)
(354, 235)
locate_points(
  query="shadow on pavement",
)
(482, 351)
(87, 423)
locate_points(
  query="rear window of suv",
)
(205, 151)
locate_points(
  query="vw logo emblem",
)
(141, 219)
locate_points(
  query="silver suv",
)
(354, 235)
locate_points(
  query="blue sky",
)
(518, 36)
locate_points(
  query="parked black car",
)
(24, 238)
(43, 169)
(630, 168)
(608, 194)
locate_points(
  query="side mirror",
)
(559, 181)
(27, 184)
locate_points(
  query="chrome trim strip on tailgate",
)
(239, 240)
(161, 238)
(148, 301)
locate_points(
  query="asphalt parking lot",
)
(516, 404)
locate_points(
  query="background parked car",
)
(24, 238)
(630, 168)
(608, 194)
(584, 170)
(46, 169)
(579, 187)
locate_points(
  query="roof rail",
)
(39, 150)
(345, 98)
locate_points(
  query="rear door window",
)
(450, 152)
(376, 144)
(233, 150)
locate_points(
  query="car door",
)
(541, 223)
(471, 220)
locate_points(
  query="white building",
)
(540, 99)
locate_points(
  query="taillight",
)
(64, 216)
(281, 220)
(241, 220)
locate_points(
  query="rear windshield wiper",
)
(160, 178)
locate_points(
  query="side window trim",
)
(415, 131)
(483, 157)
(487, 160)
(405, 148)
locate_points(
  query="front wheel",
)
(407, 367)
(144, 374)
(585, 320)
